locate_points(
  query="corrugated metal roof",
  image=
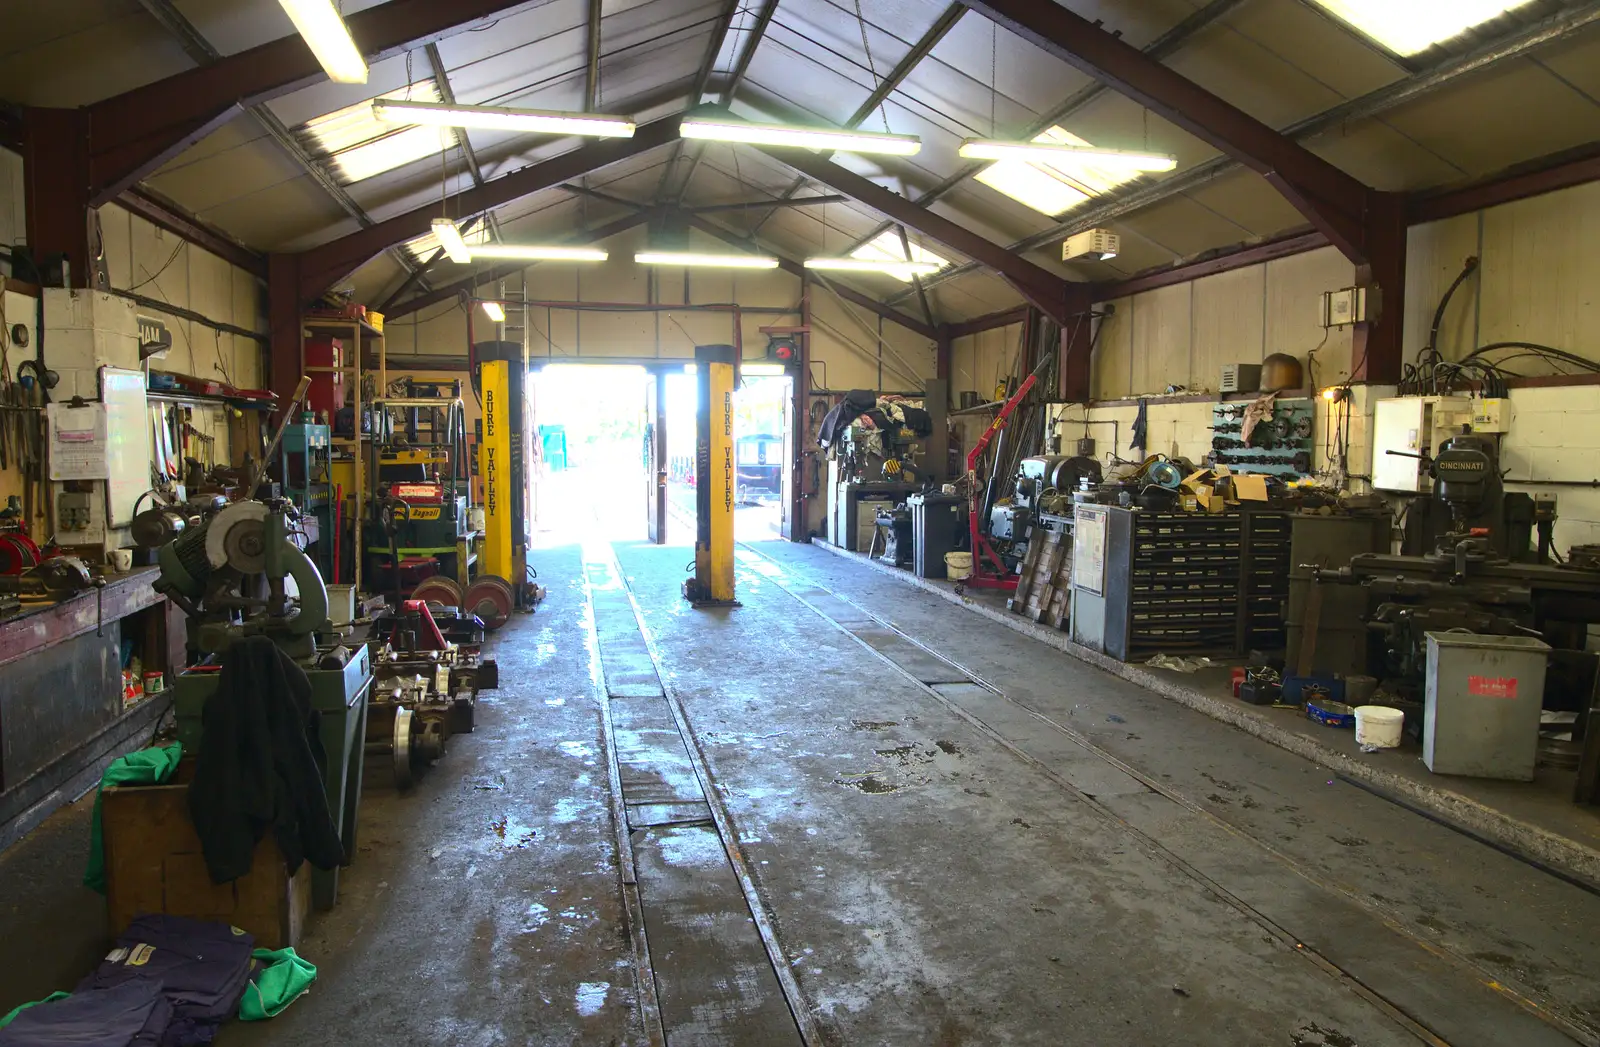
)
(1280, 60)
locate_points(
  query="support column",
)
(715, 374)
(942, 353)
(55, 170)
(1376, 349)
(1074, 375)
(283, 319)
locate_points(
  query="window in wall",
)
(359, 146)
(1409, 26)
(1050, 188)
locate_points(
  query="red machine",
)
(985, 576)
(327, 387)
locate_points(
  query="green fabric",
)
(52, 998)
(145, 767)
(280, 979)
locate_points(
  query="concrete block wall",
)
(1555, 435)
(85, 331)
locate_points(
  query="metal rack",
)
(359, 336)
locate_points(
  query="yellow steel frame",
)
(717, 375)
(494, 465)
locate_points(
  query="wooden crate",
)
(154, 864)
(1044, 586)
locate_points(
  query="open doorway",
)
(591, 430)
(763, 455)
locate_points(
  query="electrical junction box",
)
(1091, 245)
(1240, 378)
(1344, 307)
(1413, 425)
(1491, 414)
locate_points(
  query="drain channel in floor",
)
(713, 973)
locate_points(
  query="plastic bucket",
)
(958, 566)
(1379, 725)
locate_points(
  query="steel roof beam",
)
(198, 48)
(1043, 288)
(1332, 200)
(795, 268)
(322, 266)
(133, 133)
(1165, 44)
(888, 86)
(470, 283)
(740, 71)
(1508, 48)
(730, 11)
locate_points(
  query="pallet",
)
(1044, 587)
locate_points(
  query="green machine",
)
(237, 574)
(422, 494)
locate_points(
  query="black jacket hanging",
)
(261, 766)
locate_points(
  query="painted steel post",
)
(494, 464)
(716, 374)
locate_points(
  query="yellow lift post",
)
(716, 375)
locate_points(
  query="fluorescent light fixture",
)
(1067, 155)
(801, 137)
(762, 370)
(319, 25)
(494, 311)
(1051, 186)
(540, 252)
(450, 239)
(903, 270)
(717, 261)
(886, 251)
(500, 118)
(359, 146)
(1416, 25)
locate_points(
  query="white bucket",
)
(1379, 725)
(958, 566)
(341, 604)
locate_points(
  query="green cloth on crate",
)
(52, 998)
(280, 978)
(145, 767)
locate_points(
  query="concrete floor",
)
(1064, 858)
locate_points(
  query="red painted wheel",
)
(489, 598)
(17, 553)
(439, 589)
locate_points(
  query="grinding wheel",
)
(489, 598)
(440, 589)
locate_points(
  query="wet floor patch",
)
(873, 725)
(872, 783)
(512, 833)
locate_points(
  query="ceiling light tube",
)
(319, 25)
(494, 311)
(499, 118)
(1060, 155)
(864, 265)
(539, 252)
(719, 261)
(801, 137)
(449, 238)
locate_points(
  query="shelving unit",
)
(357, 336)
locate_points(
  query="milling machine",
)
(1478, 577)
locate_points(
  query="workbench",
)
(62, 716)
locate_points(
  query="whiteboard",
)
(128, 441)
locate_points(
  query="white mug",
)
(122, 560)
